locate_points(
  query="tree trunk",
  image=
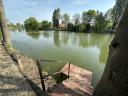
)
(4, 27)
(114, 81)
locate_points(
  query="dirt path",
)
(12, 83)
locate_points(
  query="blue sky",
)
(19, 10)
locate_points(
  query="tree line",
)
(89, 21)
(16, 26)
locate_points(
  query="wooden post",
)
(69, 70)
(41, 76)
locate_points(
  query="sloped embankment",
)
(12, 82)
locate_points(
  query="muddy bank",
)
(12, 82)
(29, 69)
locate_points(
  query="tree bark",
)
(4, 27)
(114, 81)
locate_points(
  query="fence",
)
(42, 77)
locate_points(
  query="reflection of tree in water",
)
(103, 54)
(91, 40)
(65, 38)
(74, 39)
(104, 50)
(56, 38)
(82, 42)
(87, 40)
(96, 39)
(20, 29)
(34, 35)
(46, 34)
(99, 41)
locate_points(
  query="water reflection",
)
(65, 38)
(88, 51)
(56, 38)
(45, 34)
(34, 35)
(82, 40)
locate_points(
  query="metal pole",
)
(41, 76)
(69, 70)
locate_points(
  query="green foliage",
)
(11, 25)
(31, 24)
(65, 19)
(16, 26)
(46, 25)
(70, 27)
(82, 27)
(108, 14)
(76, 19)
(88, 16)
(77, 28)
(101, 23)
(56, 17)
(91, 21)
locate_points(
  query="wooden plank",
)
(78, 87)
(76, 72)
(78, 83)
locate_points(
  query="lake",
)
(86, 50)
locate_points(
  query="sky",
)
(19, 10)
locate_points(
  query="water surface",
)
(87, 50)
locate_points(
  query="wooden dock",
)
(78, 83)
(77, 73)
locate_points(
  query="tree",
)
(108, 14)
(11, 26)
(70, 27)
(46, 25)
(82, 27)
(3, 25)
(31, 24)
(18, 25)
(50, 25)
(76, 19)
(88, 16)
(115, 79)
(117, 12)
(56, 17)
(65, 19)
(101, 23)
